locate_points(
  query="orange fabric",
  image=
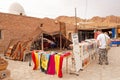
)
(36, 60)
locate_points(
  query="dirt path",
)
(22, 71)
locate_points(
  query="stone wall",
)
(16, 26)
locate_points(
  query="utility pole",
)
(76, 30)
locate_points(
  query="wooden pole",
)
(42, 44)
(60, 37)
(66, 64)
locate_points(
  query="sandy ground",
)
(22, 70)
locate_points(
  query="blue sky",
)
(55, 8)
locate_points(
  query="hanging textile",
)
(51, 65)
(36, 59)
(44, 62)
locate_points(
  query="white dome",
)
(16, 8)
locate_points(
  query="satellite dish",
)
(16, 8)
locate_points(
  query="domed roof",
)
(16, 8)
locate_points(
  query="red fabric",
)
(51, 66)
(66, 54)
(60, 67)
(34, 60)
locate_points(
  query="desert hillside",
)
(95, 21)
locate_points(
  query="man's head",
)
(106, 33)
(99, 31)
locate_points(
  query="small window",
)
(21, 14)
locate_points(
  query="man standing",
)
(101, 41)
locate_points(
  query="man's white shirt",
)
(102, 40)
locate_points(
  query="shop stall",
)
(85, 34)
(83, 53)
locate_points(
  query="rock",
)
(4, 74)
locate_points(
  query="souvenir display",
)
(87, 49)
(49, 62)
(76, 53)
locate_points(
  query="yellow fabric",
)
(37, 60)
(57, 61)
(44, 61)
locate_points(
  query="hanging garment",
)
(44, 60)
(66, 54)
(57, 61)
(62, 56)
(60, 67)
(36, 60)
(51, 65)
(58, 64)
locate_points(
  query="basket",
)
(3, 64)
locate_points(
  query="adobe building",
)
(18, 27)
